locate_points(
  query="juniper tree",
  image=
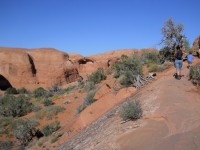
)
(172, 37)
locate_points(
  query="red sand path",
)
(175, 125)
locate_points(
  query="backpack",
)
(179, 55)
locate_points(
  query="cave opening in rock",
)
(4, 83)
(85, 61)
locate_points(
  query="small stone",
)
(67, 102)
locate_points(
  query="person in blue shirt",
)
(189, 59)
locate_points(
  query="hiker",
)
(178, 62)
(189, 59)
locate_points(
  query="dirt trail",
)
(171, 120)
(175, 124)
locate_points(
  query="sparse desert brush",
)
(11, 90)
(47, 102)
(39, 92)
(49, 112)
(152, 67)
(89, 85)
(128, 69)
(194, 74)
(24, 130)
(97, 76)
(56, 137)
(23, 91)
(149, 57)
(15, 106)
(6, 145)
(131, 110)
(88, 100)
(50, 128)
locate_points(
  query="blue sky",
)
(93, 26)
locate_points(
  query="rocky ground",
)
(170, 121)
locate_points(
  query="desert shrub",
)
(5, 125)
(131, 110)
(164, 66)
(88, 100)
(22, 91)
(69, 88)
(49, 94)
(40, 143)
(57, 136)
(150, 57)
(6, 145)
(80, 81)
(128, 69)
(55, 88)
(48, 112)
(160, 68)
(36, 107)
(89, 86)
(47, 102)
(11, 90)
(194, 74)
(21, 147)
(50, 128)
(97, 76)
(24, 130)
(152, 67)
(39, 92)
(15, 106)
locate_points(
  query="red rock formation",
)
(44, 67)
(195, 43)
(15, 68)
(34, 68)
(53, 66)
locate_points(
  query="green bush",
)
(194, 74)
(24, 130)
(97, 76)
(55, 88)
(22, 91)
(131, 110)
(6, 145)
(150, 57)
(57, 136)
(15, 106)
(89, 86)
(80, 81)
(153, 67)
(88, 100)
(128, 69)
(6, 125)
(11, 90)
(49, 112)
(47, 102)
(39, 92)
(36, 108)
(50, 128)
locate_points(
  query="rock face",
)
(53, 66)
(15, 68)
(35, 68)
(43, 67)
(87, 65)
(195, 43)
